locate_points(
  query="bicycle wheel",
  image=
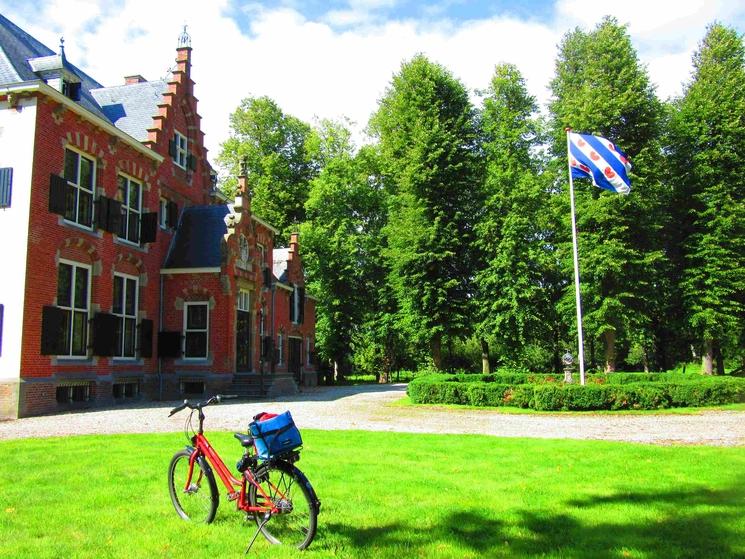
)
(199, 502)
(290, 491)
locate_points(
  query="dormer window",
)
(179, 149)
(71, 90)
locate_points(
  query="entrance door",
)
(243, 342)
(293, 361)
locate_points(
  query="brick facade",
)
(110, 263)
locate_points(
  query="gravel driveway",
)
(367, 407)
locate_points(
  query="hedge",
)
(541, 392)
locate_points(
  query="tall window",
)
(180, 149)
(308, 354)
(73, 298)
(196, 330)
(80, 173)
(125, 309)
(280, 352)
(131, 196)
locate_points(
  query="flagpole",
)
(580, 343)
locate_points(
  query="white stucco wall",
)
(17, 130)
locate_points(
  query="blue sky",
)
(335, 59)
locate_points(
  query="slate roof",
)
(279, 263)
(198, 239)
(130, 108)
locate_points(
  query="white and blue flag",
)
(599, 159)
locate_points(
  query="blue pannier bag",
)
(275, 436)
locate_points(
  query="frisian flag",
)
(599, 159)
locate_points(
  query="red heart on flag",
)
(581, 143)
(585, 168)
(610, 173)
(594, 156)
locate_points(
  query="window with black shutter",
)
(6, 186)
(191, 162)
(169, 344)
(57, 194)
(293, 305)
(267, 277)
(104, 334)
(172, 210)
(146, 338)
(53, 330)
(301, 305)
(108, 214)
(149, 227)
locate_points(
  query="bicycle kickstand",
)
(267, 516)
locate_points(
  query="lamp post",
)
(568, 361)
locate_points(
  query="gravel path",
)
(366, 408)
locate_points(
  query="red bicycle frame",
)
(236, 487)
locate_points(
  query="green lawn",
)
(387, 495)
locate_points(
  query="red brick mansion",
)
(127, 275)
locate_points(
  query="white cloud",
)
(314, 69)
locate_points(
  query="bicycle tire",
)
(297, 527)
(196, 504)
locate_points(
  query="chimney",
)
(242, 195)
(136, 78)
(293, 246)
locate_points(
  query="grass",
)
(387, 495)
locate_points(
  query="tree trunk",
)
(485, 367)
(610, 351)
(707, 359)
(645, 360)
(436, 347)
(718, 357)
(593, 363)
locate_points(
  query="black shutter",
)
(169, 344)
(52, 330)
(172, 148)
(191, 162)
(267, 277)
(171, 214)
(104, 334)
(149, 227)
(6, 186)
(266, 347)
(293, 294)
(57, 194)
(102, 213)
(301, 306)
(146, 338)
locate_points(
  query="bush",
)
(603, 392)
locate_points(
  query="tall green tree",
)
(600, 87)
(427, 139)
(341, 239)
(274, 149)
(708, 151)
(518, 280)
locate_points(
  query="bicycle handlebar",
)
(214, 400)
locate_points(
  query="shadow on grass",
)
(691, 523)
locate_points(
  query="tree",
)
(341, 242)
(427, 140)
(708, 150)
(518, 280)
(601, 88)
(274, 149)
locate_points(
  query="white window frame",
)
(206, 330)
(73, 310)
(182, 149)
(295, 302)
(80, 190)
(307, 351)
(280, 348)
(163, 213)
(243, 301)
(129, 210)
(123, 316)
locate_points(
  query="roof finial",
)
(62, 46)
(184, 40)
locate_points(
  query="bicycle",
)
(273, 491)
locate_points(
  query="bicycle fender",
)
(304, 480)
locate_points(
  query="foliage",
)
(273, 149)
(600, 87)
(603, 392)
(427, 138)
(707, 152)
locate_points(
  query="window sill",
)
(129, 244)
(126, 361)
(82, 228)
(194, 361)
